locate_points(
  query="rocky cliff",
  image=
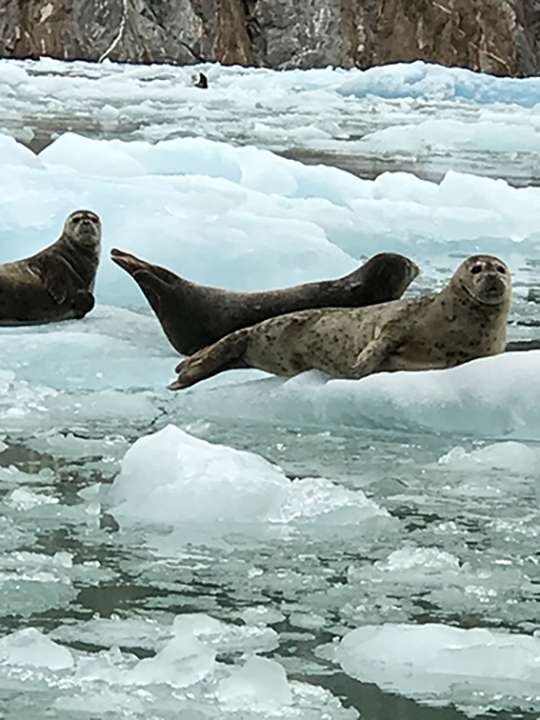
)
(496, 36)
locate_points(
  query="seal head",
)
(485, 279)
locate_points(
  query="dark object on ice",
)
(202, 82)
(193, 315)
(465, 321)
(56, 283)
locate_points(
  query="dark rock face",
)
(495, 36)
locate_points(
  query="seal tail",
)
(225, 354)
(152, 279)
(128, 262)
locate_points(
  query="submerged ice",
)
(193, 553)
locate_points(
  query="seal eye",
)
(476, 269)
(501, 269)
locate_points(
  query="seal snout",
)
(493, 285)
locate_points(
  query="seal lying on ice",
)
(193, 316)
(466, 320)
(57, 282)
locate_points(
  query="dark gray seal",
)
(202, 82)
(56, 283)
(193, 316)
(466, 320)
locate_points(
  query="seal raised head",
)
(193, 316)
(466, 320)
(202, 82)
(56, 283)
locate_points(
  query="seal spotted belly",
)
(193, 316)
(466, 320)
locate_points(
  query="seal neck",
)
(83, 258)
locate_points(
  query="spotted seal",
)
(193, 316)
(466, 320)
(57, 282)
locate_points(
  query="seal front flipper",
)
(83, 302)
(226, 354)
(54, 275)
(375, 354)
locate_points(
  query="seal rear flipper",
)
(226, 354)
(83, 302)
(141, 270)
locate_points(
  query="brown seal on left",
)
(193, 316)
(465, 321)
(56, 283)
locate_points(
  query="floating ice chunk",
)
(482, 136)
(103, 406)
(440, 664)
(259, 684)
(171, 476)
(127, 633)
(224, 637)
(13, 75)
(111, 348)
(108, 117)
(35, 566)
(184, 661)
(308, 621)
(466, 399)
(427, 560)
(72, 447)
(509, 456)
(31, 647)
(102, 703)
(319, 499)
(90, 157)
(14, 154)
(261, 615)
(25, 499)
(424, 80)
(32, 583)
(13, 476)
